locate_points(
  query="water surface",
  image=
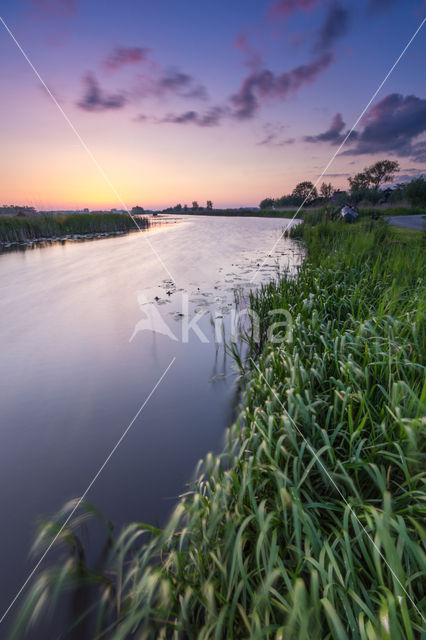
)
(71, 381)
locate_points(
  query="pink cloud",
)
(123, 56)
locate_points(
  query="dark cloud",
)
(284, 8)
(211, 118)
(122, 56)
(156, 82)
(94, 99)
(333, 133)
(391, 126)
(336, 25)
(182, 84)
(265, 84)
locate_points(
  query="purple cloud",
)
(210, 119)
(94, 99)
(55, 7)
(391, 126)
(266, 84)
(253, 57)
(284, 8)
(122, 56)
(333, 133)
(272, 140)
(182, 84)
(335, 26)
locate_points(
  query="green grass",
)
(393, 211)
(311, 522)
(16, 229)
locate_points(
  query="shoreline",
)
(15, 231)
(61, 239)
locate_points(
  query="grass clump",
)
(311, 523)
(16, 229)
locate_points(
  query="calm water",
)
(71, 381)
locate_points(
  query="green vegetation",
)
(22, 229)
(17, 210)
(416, 192)
(372, 177)
(309, 525)
(364, 190)
(242, 213)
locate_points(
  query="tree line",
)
(364, 186)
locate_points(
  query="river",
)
(79, 358)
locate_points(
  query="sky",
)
(170, 101)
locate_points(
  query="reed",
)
(17, 230)
(311, 522)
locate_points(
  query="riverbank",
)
(289, 213)
(308, 525)
(22, 230)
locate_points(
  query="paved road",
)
(409, 222)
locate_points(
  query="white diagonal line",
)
(345, 139)
(80, 500)
(84, 145)
(341, 494)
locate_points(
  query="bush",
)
(415, 192)
(370, 196)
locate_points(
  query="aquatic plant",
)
(17, 229)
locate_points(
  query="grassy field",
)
(16, 229)
(311, 522)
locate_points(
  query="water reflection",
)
(71, 380)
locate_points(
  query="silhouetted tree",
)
(209, 204)
(267, 203)
(375, 175)
(136, 211)
(195, 205)
(327, 190)
(382, 171)
(305, 191)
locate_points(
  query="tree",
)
(359, 182)
(195, 205)
(382, 171)
(267, 203)
(327, 190)
(305, 191)
(375, 175)
(415, 191)
(137, 211)
(209, 204)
